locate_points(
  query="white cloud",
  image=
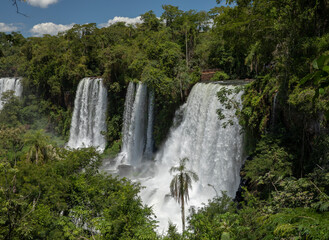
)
(49, 28)
(41, 3)
(4, 27)
(127, 20)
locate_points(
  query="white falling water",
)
(215, 154)
(137, 126)
(129, 103)
(10, 84)
(149, 133)
(89, 115)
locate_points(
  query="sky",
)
(52, 16)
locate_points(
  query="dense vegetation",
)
(53, 193)
(283, 45)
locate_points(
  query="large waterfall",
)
(10, 84)
(89, 115)
(215, 154)
(137, 126)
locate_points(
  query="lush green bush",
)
(54, 193)
(220, 76)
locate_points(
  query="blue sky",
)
(51, 16)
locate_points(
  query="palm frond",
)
(182, 181)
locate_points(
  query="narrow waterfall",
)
(215, 154)
(149, 132)
(10, 84)
(89, 115)
(137, 126)
(129, 102)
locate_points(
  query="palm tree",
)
(39, 149)
(180, 185)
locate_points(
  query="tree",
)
(170, 14)
(150, 21)
(39, 148)
(180, 184)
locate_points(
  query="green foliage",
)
(54, 193)
(10, 53)
(297, 223)
(11, 142)
(32, 113)
(166, 91)
(276, 43)
(269, 165)
(217, 218)
(228, 100)
(60, 119)
(181, 183)
(38, 147)
(113, 128)
(204, 222)
(11, 114)
(64, 196)
(162, 56)
(255, 219)
(114, 150)
(312, 93)
(220, 76)
(302, 192)
(172, 233)
(256, 104)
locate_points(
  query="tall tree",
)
(180, 185)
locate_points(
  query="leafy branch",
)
(227, 97)
(15, 4)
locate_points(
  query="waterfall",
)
(130, 95)
(149, 132)
(137, 129)
(215, 154)
(10, 84)
(89, 115)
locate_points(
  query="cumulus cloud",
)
(127, 20)
(49, 28)
(4, 27)
(41, 3)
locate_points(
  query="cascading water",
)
(129, 103)
(138, 125)
(215, 154)
(10, 84)
(89, 115)
(148, 153)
